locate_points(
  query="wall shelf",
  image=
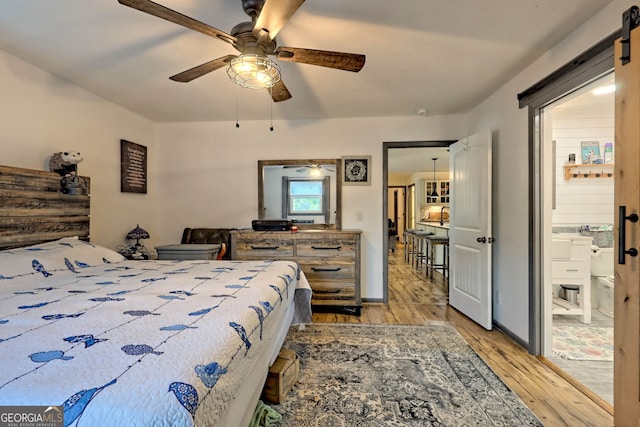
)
(588, 171)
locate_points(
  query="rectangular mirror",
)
(308, 192)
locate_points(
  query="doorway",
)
(420, 153)
(577, 143)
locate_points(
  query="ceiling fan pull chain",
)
(271, 107)
(237, 108)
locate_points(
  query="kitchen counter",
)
(434, 224)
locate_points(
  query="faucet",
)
(441, 212)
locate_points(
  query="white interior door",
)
(470, 228)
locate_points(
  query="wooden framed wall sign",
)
(133, 167)
(356, 170)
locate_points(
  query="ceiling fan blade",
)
(279, 92)
(324, 58)
(163, 12)
(202, 69)
(274, 15)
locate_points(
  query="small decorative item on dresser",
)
(138, 250)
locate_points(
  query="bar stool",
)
(408, 237)
(434, 241)
(421, 247)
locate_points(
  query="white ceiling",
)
(443, 56)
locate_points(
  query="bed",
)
(119, 342)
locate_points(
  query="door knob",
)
(481, 239)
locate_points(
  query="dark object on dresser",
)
(271, 224)
(209, 236)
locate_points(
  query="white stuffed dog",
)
(65, 162)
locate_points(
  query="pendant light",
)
(434, 193)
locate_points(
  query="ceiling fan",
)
(312, 167)
(255, 39)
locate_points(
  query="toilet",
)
(602, 279)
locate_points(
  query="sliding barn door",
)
(627, 267)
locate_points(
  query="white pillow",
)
(68, 254)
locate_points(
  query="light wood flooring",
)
(414, 300)
(597, 376)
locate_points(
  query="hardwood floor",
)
(415, 300)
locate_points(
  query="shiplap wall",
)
(582, 201)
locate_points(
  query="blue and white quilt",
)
(117, 342)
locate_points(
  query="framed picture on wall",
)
(133, 167)
(356, 170)
(590, 152)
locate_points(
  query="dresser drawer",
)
(568, 269)
(317, 272)
(264, 248)
(325, 291)
(327, 247)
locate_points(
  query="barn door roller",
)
(630, 20)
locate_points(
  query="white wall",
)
(208, 172)
(581, 201)
(41, 114)
(501, 114)
(205, 174)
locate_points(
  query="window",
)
(306, 196)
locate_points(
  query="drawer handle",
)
(326, 291)
(265, 248)
(327, 248)
(571, 269)
(326, 269)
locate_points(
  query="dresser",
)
(330, 259)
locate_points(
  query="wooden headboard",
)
(34, 210)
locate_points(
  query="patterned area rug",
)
(583, 343)
(394, 375)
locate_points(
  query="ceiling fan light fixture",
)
(253, 71)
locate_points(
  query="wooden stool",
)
(421, 247)
(408, 237)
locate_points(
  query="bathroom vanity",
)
(571, 266)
